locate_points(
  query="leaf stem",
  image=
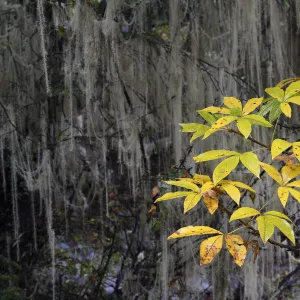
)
(275, 128)
(237, 229)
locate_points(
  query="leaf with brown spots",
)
(193, 230)
(209, 248)
(211, 203)
(236, 248)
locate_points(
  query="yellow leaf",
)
(206, 187)
(244, 127)
(251, 105)
(265, 228)
(169, 196)
(277, 214)
(283, 226)
(222, 122)
(295, 100)
(294, 183)
(193, 230)
(244, 212)
(191, 201)
(278, 146)
(284, 82)
(239, 184)
(289, 172)
(251, 162)
(208, 133)
(275, 92)
(286, 109)
(224, 168)
(201, 178)
(232, 102)
(258, 120)
(296, 149)
(214, 154)
(283, 194)
(211, 204)
(236, 248)
(232, 192)
(185, 184)
(295, 194)
(209, 248)
(217, 110)
(292, 89)
(272, 172)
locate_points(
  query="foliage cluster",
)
(236, 119)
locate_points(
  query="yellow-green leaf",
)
(216, 110)
(286, 109)
(193, 127)
(295, 100)
(232, 102)
(209, 248)
(208, 133)
(232, 192)
(239, 184)
(283, 226)
(211, 204)
(244, 127)
(196, 135)
(277, 214)
(169, 196)
(278, 146)
(265, 227)
(296, 149)
(184, 184)
(191, 201)
(295, 194)
(214, 154)
(224, 168)
(289, 172)
(208, 117)
(201, 178)
(258, 120)
(275, 92)
(207, 186)
(251, 105)
(251, 162)
(236, 248)
(294, 183)
(244, 212)
(283, 194)
(292, 89)
(193, 230)
(272, 172)
(222, 122)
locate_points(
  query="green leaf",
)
(185, 184)
(169, 196)
(277, 214)
(265, 109)
(258, 120)
(275, 92)
(283, 226)
(191, 201)
(278, 146)
(251, 162)
(224, 168)
(265, 227)
(209, 118)
(244, 127)
(272, 172)
(243, 212)
(236, 111)
(214, 154)
(193, 230)
(275, 111)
